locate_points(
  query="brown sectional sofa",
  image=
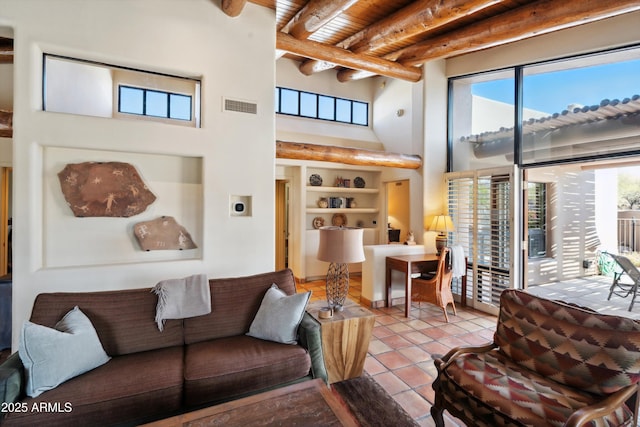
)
(192, 363)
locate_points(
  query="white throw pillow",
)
(53, 356)
(279, 316)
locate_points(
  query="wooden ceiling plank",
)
(527, 21)
(314, 15)
(233, 8)
(419, 17)
(316, 50)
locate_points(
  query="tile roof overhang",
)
(616, 121)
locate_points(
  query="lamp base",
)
(441, 242)
(337, 285)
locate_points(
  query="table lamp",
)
(442, 224)
(339, 246)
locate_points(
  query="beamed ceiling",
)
(361, 38)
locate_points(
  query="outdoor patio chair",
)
(625, 289)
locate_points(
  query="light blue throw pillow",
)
(279, 316)
(53, 356)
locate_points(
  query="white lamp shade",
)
(442, 224)
(342, 245)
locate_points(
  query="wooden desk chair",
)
(625, 289)
(437, 289)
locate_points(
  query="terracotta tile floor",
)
(401, 351)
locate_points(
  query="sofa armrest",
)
(310, 337)
(11, 379)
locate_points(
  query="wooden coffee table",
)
(310, 403)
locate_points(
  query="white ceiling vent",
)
(239, 106)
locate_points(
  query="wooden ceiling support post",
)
(349, 156)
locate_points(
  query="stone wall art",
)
(162, 233)
(104, 189)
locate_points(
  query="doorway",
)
(282, 224)
(6, 264)
(398, 210)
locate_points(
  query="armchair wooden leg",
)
(446, 317)
(436, 414)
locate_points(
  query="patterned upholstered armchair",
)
(550, 364)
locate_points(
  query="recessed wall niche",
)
(71, 241)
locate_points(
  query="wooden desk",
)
(409, 264)
(345, 339)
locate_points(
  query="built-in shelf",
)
(343, 190)
(342, 210)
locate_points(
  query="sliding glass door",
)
(482, 207)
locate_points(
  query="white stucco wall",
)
(193, 38)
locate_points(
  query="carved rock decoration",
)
(161, 234)
(112, 189)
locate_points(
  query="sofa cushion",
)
(52, 356)
(124, 319)
(279, 316)
(229, 367)
(234, 304)
(498, 391)
(567, 344)
(132, 387)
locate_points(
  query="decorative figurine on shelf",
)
(410, 239)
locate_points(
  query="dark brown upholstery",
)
(130, 387)
(242, 364)
(234, 304)
(550, 364)
(124, 320)
(153, 374)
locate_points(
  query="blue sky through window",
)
(552, 92)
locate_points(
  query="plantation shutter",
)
(461, 203)
(481, 207)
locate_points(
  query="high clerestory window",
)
(294, 102)
(154, 103)
(76, 86)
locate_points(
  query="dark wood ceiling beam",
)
(345, 58)
(345, 155)
(233, 8)
(419, 17)
(527, 21)
(314, 15)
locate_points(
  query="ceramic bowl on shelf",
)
(339, 220)
(323, 202)
(359, 182)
